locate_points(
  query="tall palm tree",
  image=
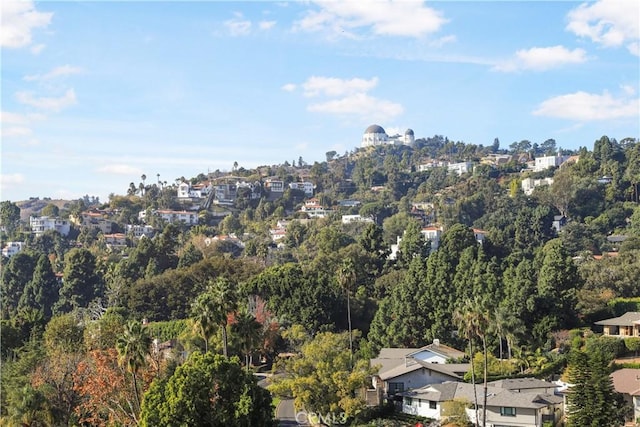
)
(473, 321)
(249, 333)
(133, 347)
(205, 317)
(212, 308)
(467, 323)
(346, 277)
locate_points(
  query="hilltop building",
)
(376, 135)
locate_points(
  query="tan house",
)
(626, 381)
(627, 325)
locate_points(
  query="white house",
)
(171, 216)
(402, 369)
(504, 407)
(305, 186)
(529, 184)
(460, 168)
(432, 234)
(41, 224)
(346, 219)
(315, 209)
(186, 217)
(139, 230)
(197, 191)
(546, 162)
(430, 164)
(12, 248)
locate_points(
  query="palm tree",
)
(133, 347)
(249, 333)
(205, 317)
(466, 321)
(346, 279)
(212, 307)
(473, 321)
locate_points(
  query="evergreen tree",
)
(41, 293)
(592, 401)
(81, 283)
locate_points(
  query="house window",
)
(432, 404)
(396, 388)
(507, 411)
(408, 401)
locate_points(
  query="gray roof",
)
(522, 383)
(627, 319)
(452, 370)
(374, 129)
(496, 396)
(409, 132)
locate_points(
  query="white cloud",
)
(119, 169)
(331, 86)
(610, 23)
(289, 87)
(18, 19)
(238, 26)
(583, 106)
(266, 25)
(542, 58)
(361, 105)
(407, 18)
(36, 49)
(63, 70)
(438, 43)
(11, 180)
(48, 104)
(15, 131)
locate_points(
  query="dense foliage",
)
(77, 311)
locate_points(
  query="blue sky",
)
(95, 94)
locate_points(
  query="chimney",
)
(436, 342)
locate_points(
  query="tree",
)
(472, 321)
(16, 274)
(591, 400)
(41, 293)
(322, 379)
(9, 216)
(248, 332)
(63, 334)
(133, 347)
(212, 308)
(207, 390)
(51, 210)
(346, 277)
(413, 244)
(105, 398)
(81, 283)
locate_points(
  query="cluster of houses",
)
(428, 382)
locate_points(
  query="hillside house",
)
(460, 168)
(94, 220)
(529, 184)
(403, 369)
(627, 325)
(305, 186)
(504, 407)
(11, 248)
(626, 381)
(40, 224)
